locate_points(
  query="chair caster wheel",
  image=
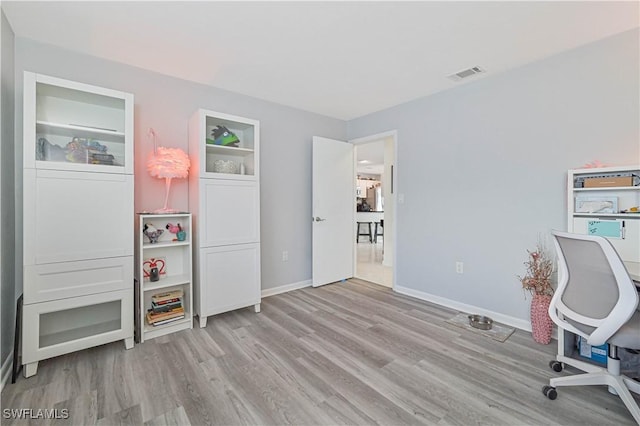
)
(550, 392)
(555, 366)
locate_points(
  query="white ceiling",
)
(340, 59)
(370, 158)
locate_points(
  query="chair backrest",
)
(595, 294)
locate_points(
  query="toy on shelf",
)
(223, 136)
(152, 233)
(181, 235)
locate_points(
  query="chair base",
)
(618, 384)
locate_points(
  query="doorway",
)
(374, 227)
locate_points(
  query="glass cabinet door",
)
(74, 126)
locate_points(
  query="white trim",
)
(463, 307)
(5, 371)
(372, 138)
(286, 288)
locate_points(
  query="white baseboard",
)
(5, 371)
(285, 288)
(463, 307)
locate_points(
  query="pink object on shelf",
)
(167, 163)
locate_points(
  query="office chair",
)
(595, 299)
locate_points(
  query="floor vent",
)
(466, 73)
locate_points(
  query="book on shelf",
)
(167, 296)
(165, 307)
(155, 317)
(167, 302)
(157, 323)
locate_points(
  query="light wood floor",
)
(352, 353)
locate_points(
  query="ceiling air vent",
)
(466, 73)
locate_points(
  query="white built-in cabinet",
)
(599, 202)
(224, 198)
(77, 218)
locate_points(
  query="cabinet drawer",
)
(71, 279)
(61, 326)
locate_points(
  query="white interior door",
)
(333, 210)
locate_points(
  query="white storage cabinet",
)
(77, 210)
(224, 197)
(588, 204)
(174, 260)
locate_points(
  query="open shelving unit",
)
(174, 261)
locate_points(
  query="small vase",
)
(541, 323)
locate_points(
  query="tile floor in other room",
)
(369, 266)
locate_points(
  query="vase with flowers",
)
(538, 282)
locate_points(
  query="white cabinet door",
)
(229, 212)
(86, 128)
(230, 278)
(61, 326)
(628, 248)
(73, 216)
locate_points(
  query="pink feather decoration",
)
(169, 163)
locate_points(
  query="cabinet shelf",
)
(220, 149)
(165, 244)
(627, 215)
(151, 331)
(72, 130)
(170, 281)
(608, 188)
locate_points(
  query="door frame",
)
(393, 135)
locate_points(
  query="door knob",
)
(319, 219)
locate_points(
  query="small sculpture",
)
(173, 228)
(223, 136)
(177, 229)
(152, 232)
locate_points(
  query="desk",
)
(634, 271)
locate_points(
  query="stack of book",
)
(165, 308)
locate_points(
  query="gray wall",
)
(483, 166)
(166, 104)
(7, 191)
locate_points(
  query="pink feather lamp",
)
(167, 164)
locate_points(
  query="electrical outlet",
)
(459, 267)
(285, 256)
